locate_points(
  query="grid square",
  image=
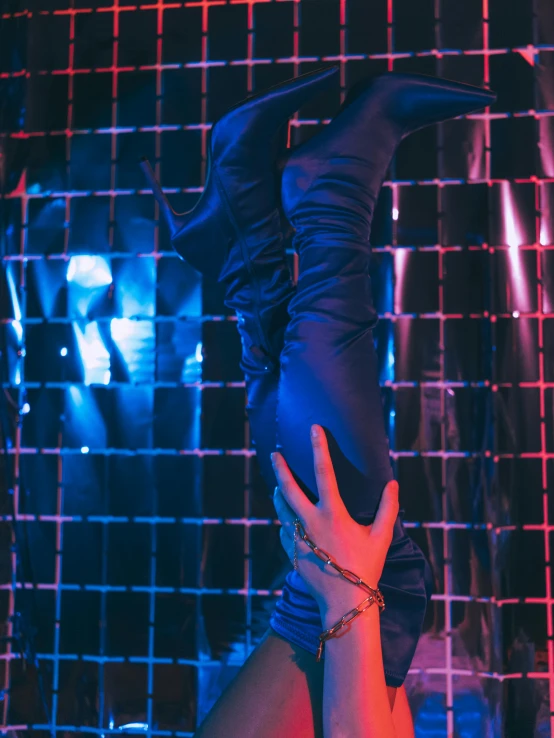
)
(513, 145)
(417, 280)
(217, 404)
(273, 24)
(134, 228)
(512, 475)
(126, 688)
(413, 160)
(92, 101)
(93, 45)
(127, 635)
(319, 32)
(464, 143)
(130, 148)
(366, 35)
(89, 224)
(137, 38)
(411, 365)
(47, 170)
(46, 226)
(223, 617)
(461, 26)
(173, 697)
(228, 32)
(90, 165)
(517, 350)
(466, 281)
(417, 216)
(510, 29)
(224, 557)
(181, 96)
(178, 550)
(465, 215)
(51, 117)
(227, 86)
(232, 503)
(80, 622)
(504, 70)
(175, 626)
(269, 562)
(468, 359)
(182, 35)
(182, 160)
(137, 98)
(72, 676)
(414, 27)
(517, 410)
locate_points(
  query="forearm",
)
(355, 699)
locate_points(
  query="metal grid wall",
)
(145, 557)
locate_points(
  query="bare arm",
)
(355, 697)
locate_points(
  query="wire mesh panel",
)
(140, 552)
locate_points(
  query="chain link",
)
(295, 540)
(375, 595)
(326, 558)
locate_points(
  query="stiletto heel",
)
(174, 220)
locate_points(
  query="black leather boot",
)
(329, 189)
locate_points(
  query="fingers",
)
(387, 513)
(292, 493)
(323, 467)
(285, 513)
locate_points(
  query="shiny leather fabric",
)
(329, 364)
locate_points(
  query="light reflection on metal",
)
(88, 278)
(523, 342)
(192, 365)
(476, 154)
(513, 234)
(16, 323)
(89, 271)
(134, 726)
(546, 237)
(136, 342)
(93, 352)
(400, 259)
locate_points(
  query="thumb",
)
(387, 512)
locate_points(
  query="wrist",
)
(333, 608)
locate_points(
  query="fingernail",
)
(274, 459)
(315, 431)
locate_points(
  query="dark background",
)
(139, 556)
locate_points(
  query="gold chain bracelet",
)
(348, 618)
(375, 595)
